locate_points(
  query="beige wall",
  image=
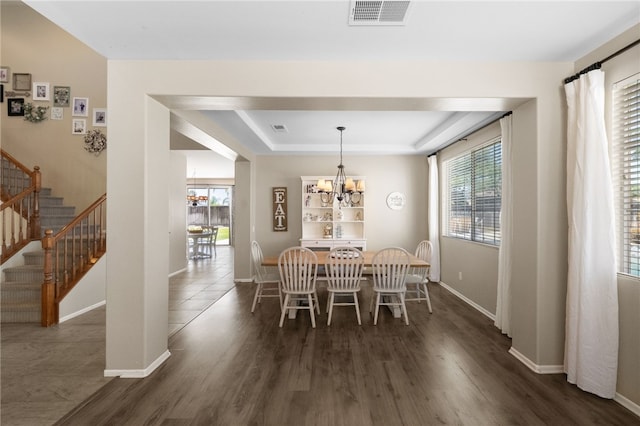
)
(32, 44)
(384, 174)
(477, 263)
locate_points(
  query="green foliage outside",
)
(223, 233)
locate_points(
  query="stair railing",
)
(69, 255)
(20, 209)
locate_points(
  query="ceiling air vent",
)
(279, 128)
(385, 12)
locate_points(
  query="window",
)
(474, 183)
(626, 139)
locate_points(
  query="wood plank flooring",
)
(46, 372)
(231, 367)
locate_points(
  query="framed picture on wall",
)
(1, 93)
(61, 96)
(80, 107)
(57, 113)
(21, 82)
(15, 107)
(40, 91)
(4, 75)
(79, 126)
(100, 117)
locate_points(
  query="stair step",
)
(20, 292)
(48, 200)
(34, 258)
(57, 210)
(20, 313)
(24, 273)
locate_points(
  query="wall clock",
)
(396, 200)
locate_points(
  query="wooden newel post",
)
(37, 181)
(49, 306)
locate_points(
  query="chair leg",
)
(375, 315)
(317, 306)
(313, 317)
(280, 296)
(284, 310)
(256, 296)
(426, 293)
(357, 305)
(404, 309)
(330, 306)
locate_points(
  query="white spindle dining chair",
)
(344, 272)
(298, 268)
(417, 278)
(267, 279)
(389, 267)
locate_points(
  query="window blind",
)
(626, 143)
(474, 183)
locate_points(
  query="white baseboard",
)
(243, 280)
(82, 311)
(539, 369)
(469, 301)
(179, 271)
(628, 404)
(138, 374)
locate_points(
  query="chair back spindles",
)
(390, 267)
(344, 268)
(267, 283)
(298, 268)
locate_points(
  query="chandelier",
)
(194, 199)
(343, 188)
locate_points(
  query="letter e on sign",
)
(279, 209)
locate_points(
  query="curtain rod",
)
(597, 65)
(506, 114)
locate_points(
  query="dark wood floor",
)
(231, 367)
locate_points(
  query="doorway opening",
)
(211, 205)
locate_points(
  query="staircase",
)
(20, 288)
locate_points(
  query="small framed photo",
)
(61, 96)
(80, 107)
(1, 93)
(100, 117)
(40, 91)
(79, 126)
(15, 107)
(57, 113)
(4, 75)
(21, 82)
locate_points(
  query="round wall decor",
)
(396, 200)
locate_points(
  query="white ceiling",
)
(319, 30)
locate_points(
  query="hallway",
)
(46, 372)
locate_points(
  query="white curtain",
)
(434, 224)
(503, 303)
(591, 328)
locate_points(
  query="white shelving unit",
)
(328, 225)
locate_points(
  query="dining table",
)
(196, 239)
(414, 262)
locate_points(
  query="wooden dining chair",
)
(344, 272)
(389, 269)
(267, 279)
(417, 278)
(298, 268)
